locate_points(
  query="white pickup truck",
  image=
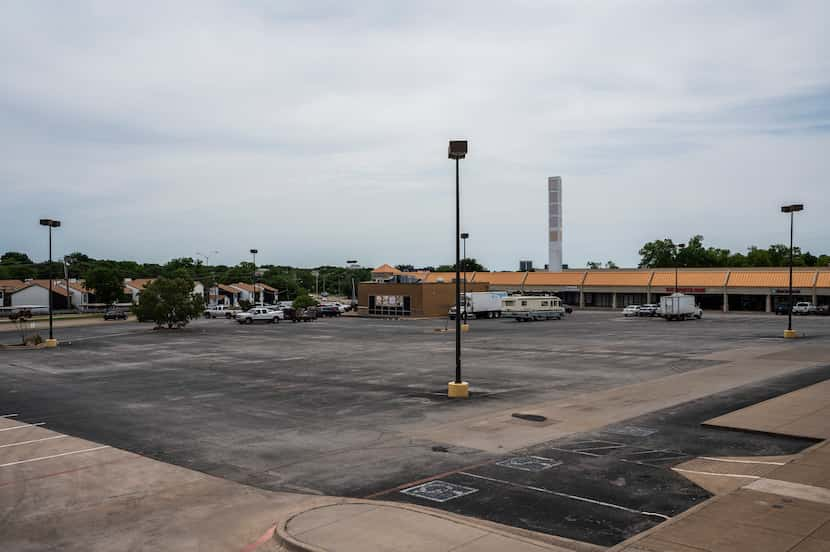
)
(804, 307)
(220, 311)
(260, 314)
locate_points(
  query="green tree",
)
(657, 254)
(594, 265)
(467, 265)
(105, 283)
(15, 258)
(611, 264)
(823, 260)
(169, 302)
(303, 300)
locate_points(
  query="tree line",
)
(665, 254)
(290, 280)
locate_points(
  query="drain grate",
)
(439, 491)
(529, 463)
(529, 417)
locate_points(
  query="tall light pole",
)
(352, 263)
(677, 251)
(253, 276)
(51, 342)
(458, 388)
(207, 265)
(464, 236)
(791, 209)
(66, 281)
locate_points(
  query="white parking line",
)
(717, 474)
(22, 426)
(52, 456)
(34, 441)
(8, 416)
(601, 448)
(742, 461)
(565, 495)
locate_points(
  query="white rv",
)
(526, 307)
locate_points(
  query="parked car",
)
(631, 310)
(259, 314)
(328, 310)
(648, 309)
(804, 307)
(305, 315)
(823, 310)
(568, 309)
(115, 314)
(782, 308)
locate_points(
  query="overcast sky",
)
(317, 131)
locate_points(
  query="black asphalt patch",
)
(608, 485)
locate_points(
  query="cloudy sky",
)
(317, 131)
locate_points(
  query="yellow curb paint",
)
(465, 327)
(789, 334)
(51, 343)
(458, 390)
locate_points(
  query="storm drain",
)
(439, 491)
(529, 463)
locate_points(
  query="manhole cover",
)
(529, 463)
(530, 417)
(634, 431)
(439, 491)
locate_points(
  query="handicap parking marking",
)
(439, 491)
(529, 463)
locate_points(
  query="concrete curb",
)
(289, 542)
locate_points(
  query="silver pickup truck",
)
(221, 311)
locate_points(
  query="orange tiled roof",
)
(613, 278)
(386, 269)
(501, 278)
(229, 289)
(138, 283)
(771, 279)
(420, 274)
(249, 287)
(11, 285)
(554, 278)
(714, 278)
(56, 286)
(823, 280)
(433, 277)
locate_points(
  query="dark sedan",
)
(115, 314)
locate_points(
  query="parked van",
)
(525, 308)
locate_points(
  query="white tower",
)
(554, 224)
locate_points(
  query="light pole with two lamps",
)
(792, 210)
(458, 389)
(51, 342)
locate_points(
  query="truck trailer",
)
(678, 306)
(481, 304)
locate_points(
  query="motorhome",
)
(525, 308)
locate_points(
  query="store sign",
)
(785, 291)
(389, 301)
(686, 290)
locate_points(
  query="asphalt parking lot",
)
(339, 406)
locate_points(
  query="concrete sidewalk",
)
(369, 526)
(767, 505)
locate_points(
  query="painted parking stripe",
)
(53, 456)
(565, 495)
(741, 461)
(8, 416)
(601, 448)
(34, 441)
(22, 426)
(717, 474)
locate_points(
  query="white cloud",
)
(317, 131)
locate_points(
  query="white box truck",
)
(678, 306)
(481, 304)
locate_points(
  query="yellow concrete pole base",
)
(51, 343)
(790, 333)
(465, 327)
(458, 390)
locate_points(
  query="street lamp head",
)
(792, 208)
(681, 245)
(50, 222)
(464, 235)
(254, 251)
(458, 149)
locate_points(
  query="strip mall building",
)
(724, 289)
